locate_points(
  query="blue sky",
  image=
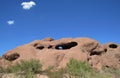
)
(20, 24)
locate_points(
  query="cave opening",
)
(65, 46)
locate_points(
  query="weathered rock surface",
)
(57, 53)
(111, 57)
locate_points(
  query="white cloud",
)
(10, 22)
(28, 5)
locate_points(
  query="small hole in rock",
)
(40, 47)
(35, 45)
(49, 46)
(113, 46)
(105, 50)
(107, 66)
(95, 53)
(12, 57)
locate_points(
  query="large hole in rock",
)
(66, 46)
(113, 46)
(12, 57)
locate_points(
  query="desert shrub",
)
(84, 70)
(28, 68)
(1, 70)
(29, 75)
(74, 69)
(49, 69)
(101, 74)
(56, 74)
(78, 68)
(52, 72)
(113, 71)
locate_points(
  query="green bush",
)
(74, 69)
(113, 71)
(29, 75)
(56, 74)
(77, 69)
(26, 66)
(80, 69)
(1, 69)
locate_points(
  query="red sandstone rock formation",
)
(57, 53)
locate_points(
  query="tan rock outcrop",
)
(57, 53)
(111, 57)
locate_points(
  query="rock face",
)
(57, 53)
